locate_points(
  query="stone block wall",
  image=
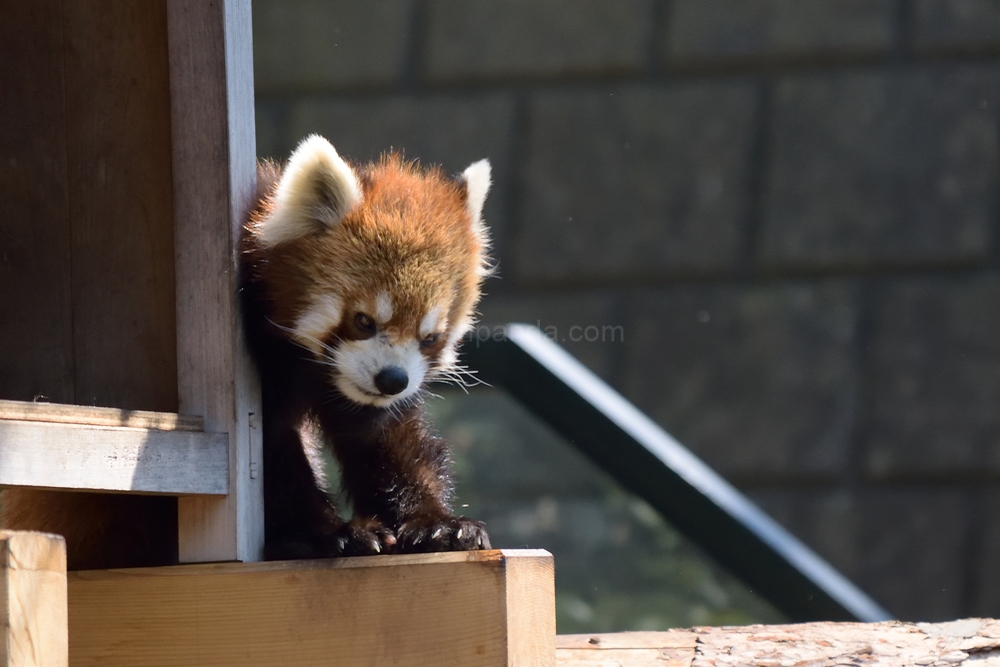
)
(790, 207)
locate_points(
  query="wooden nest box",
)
(127, 161)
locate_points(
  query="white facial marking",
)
(432, 321)
(317, 321)
(462, 327)
(383, 307)
(359, 361)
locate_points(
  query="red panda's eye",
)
(364, 324)
(430, 340)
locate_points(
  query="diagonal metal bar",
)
(649, 462)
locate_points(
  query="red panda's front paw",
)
(363, 537)
(455, 533)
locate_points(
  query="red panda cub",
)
(357, 284)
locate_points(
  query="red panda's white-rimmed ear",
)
(477, 184)
(317, 189)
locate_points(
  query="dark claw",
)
(427, 534)
(362, 537)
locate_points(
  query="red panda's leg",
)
(400, 475)
(299, 517)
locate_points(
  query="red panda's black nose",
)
(391, 380)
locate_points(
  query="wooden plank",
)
(59, 413)
(33, 608)
(119, 459)
(36, 329)
(531, 599)
(435, 609)
(214, 161)
(120, 193)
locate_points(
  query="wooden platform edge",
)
(33, 600)
(61, 413)
(465, 609)
(888, 644)
(530, 606)
(112, 459)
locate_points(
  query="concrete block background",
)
(721, 32)
(789, 208)
(484, 39)
(893, 542)
(594, 166)
(587, 323)
(765, 386)
(319, 44)
(956, 26)
(934, 377)
(880, 166)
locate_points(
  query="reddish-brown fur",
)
(411, 232)
(413, 237)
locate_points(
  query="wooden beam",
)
(118, 459)
(33, 610)
(59, 413)
(214, 167)
(530, 612)
(465, 609)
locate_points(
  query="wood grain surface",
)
(36, 330)
(120, 186)
(59, 413)
(973, 641)
(86, 233)
(106, 458)
(211, 74)
(435, 609)
(33, 607)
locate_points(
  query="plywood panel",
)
(36, 341)
(434, 609)
(121, 203)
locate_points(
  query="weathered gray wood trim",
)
(214, 166)
(106, 458)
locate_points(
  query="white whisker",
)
(296, 334)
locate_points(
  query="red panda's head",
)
(376, 270)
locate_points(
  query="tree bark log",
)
(972, 642)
